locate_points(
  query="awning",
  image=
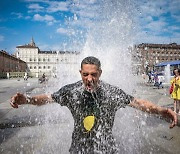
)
(176, 62)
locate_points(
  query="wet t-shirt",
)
(93, 115)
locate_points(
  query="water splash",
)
(109, 38)
(167, 74)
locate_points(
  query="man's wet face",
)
(90, 75)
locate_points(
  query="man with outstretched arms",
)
(93, 104)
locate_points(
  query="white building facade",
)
(39, 62)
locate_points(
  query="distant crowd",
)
(158, 79)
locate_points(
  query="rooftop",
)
(161, 46)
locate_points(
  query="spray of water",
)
(109, 38)
(167, 74)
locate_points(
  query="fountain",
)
(167, 75)
(109, 37)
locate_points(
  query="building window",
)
(39, 67)
(44, 59)
(48, 59)
(44, 67)
(34, 59)
(34, 67)
(30, 59)
(30, 67)
(49, 67)
(39, 59)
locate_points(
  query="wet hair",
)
(91, 60)
(178, 69)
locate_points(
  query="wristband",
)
(29, 100)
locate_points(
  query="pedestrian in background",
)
(150, 77)
(175, 86)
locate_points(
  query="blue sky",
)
(64, 25)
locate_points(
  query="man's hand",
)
(18, 99)
(172, 115)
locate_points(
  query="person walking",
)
(93, 104)
(149, 77)
(175, 90)
(177, 86)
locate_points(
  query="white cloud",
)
(65, 31)
(35, 8)
(156, 25)
(174, 28)
(157, 20)
(176, 17)
(148, 19)
(86, 9)
(146, 37)
(153, 18)
(174, 6)
(86, 13)
(27, 17)
(55, 6)
(153, 8)
(1, 38)
(47, 18)
(83, 9)
(18, 15)
(83, 22)
(62, 31)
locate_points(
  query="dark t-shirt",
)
(101, 104)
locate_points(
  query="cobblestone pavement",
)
(47, 129)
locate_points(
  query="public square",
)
(47, 129)
(46, 40)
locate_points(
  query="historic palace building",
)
(9, 63)
(148, 55)
(47, 62)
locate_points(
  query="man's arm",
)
(149, 107)
(20, 99)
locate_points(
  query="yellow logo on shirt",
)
(89, 122)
